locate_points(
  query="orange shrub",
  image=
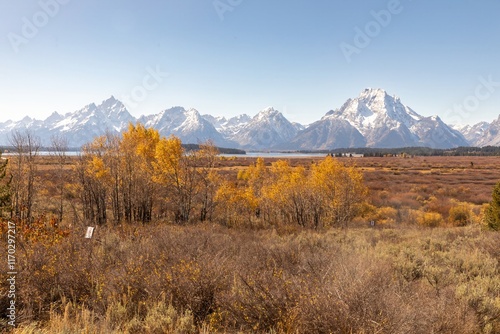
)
(460, 215)
(430, 219)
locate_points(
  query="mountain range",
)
(373, 119)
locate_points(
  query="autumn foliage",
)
(328, 194)
(140, 175)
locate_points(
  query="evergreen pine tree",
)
(492, 214)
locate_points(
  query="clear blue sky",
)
(260, 53)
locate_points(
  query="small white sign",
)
(90, 232)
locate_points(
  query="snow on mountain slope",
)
(217, 121)
(91, 121)
(373, 119)
(79, 127)
(267, 129)
(83, 125)
(473, 133)
(385, 121)
(433, 132)
(24, 124)
(490, 134)
(188, 125)
(327, 133)
(228, 127)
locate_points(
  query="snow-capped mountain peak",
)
(26, 120)
(267, 129)
(54, 117)
(374, 108)
(193, 113)
(384, 121)
(193, 120)
(188, 125)
(267, 113)
(374, 118)
(483, 133)
(373, 94)
(228, 127)
(114, 108)
(268, 110)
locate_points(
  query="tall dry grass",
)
(207, 278)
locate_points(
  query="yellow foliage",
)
(168, 156)
(460, 214)
(142, 140)
(330, 193)
(97, 168)
(385, 215)
(235, 198)
(429, 219)
(342, 188)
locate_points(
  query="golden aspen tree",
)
(237, 205)
(138, 149)
(286, 193)
(207, 157)
(113, 157)
(339, 189)
(118, 170)
(255, 176)
(174, 169)
(93, 175)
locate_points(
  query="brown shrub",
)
(181, 279)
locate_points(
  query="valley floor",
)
(422, 268)
(210, 279)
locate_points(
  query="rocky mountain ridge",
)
(373, 119)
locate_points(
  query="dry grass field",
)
(433, 183)
(428, 265)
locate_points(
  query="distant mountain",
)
(269, 128)
(228, 127)
(384, 122)
(326, 134)
(473, 133)
(373, 119)
(434, 133)
(111, 116)
(483, 133)
(188, 125)
(92, 121)
(79, 127)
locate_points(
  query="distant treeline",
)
(188, 147)
(222, 150)
(41, 149)
(414, 151)
(365, 151)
